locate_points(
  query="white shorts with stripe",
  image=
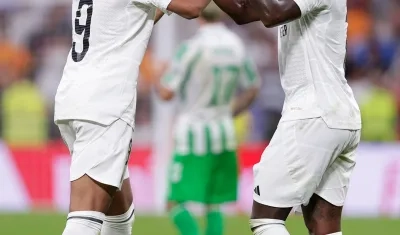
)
(99, 151)
(303, 158)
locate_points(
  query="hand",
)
(159, 71)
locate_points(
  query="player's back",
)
(100, 76)
(311, 58)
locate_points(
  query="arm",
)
(159, 15)
(276, 12)
(244, 100)
(162, 91)
(188, 9)
(173, 75)
(250, 81)
(240, 12)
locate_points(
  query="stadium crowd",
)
(35, 39)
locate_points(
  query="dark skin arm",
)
(270, 12)
(238, 10)
(276, 12)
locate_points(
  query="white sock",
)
(338, 233)
(84, 223)
(268, 227)
(119, 224)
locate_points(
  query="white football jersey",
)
(312, 53)
(205, 73)
(100, 77)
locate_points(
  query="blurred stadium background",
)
(34, 41)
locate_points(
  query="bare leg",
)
(90, 200)
(267, 220)
(122, 200)
(120, 215)
(321, 217)
(261, 211)
(90, 195)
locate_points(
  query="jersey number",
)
(225, 79)
(83, 13)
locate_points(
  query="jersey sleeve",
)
(249, 75)
(180, 67)
(160, 4)
(306, 6)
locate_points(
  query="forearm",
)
(188, 9)
(159, 15)
(239, 10)
(244, 101)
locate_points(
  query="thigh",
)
(335, 182)
(67, 133)
(101, 152)
(122, 200)
(293, 164)
(322, 217)
(189, 178)
(224, 184)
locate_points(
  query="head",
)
(211, 14)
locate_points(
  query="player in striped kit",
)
(205, 73)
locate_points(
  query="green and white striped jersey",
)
(205, 73)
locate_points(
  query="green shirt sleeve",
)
(249, 75)
(180, 66)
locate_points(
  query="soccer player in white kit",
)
(95, 106)
(312, 153)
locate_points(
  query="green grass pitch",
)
(53, 224)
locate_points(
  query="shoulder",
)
(236, 42)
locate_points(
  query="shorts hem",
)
(333, 202)
(277, 205)
(74, 178)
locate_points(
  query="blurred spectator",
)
(359, 20)
(50, 46)
(24, 121)
(373, 62)
(377, 105)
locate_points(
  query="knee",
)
(171, 205)
(322, 227)
(87, 194)
(122, 200)
(268, 227)
(213, 207)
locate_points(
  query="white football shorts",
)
(100, 151)
(305, 157)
